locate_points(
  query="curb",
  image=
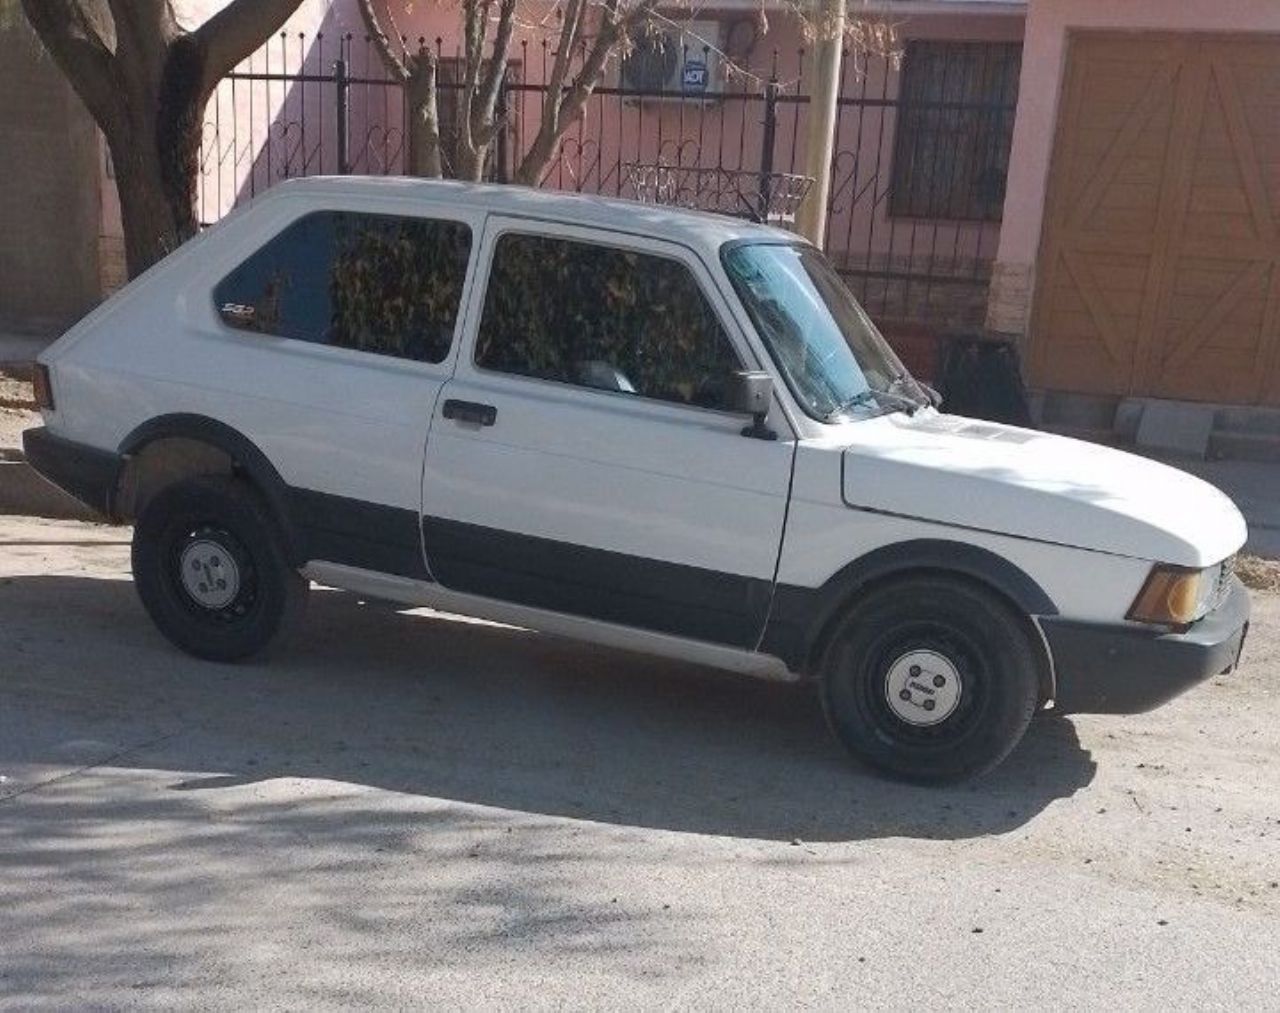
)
(23, 491)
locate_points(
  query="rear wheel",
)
(930, 679)
(209, 569)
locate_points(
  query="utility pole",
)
(811, 218)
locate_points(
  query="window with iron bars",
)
(955, 128)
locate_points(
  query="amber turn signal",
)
(42, 387)
(1172, 596)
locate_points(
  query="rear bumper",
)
(87, 473)
(1107, 669)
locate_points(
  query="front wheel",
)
(209, 569)
(930, 679)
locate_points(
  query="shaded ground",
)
(411, 808)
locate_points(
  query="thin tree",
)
(590, 33)
(146, 80)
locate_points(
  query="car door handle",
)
(471, 411)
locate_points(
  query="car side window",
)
(374, 283)
(603, 317)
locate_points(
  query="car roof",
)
(695, 228)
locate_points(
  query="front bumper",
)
(1110, 669)
(87, 473)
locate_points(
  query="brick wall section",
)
(943, 293)
(1009, 303)
(49, 204)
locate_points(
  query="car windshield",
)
(832, 356)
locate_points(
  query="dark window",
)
(955, 127)
(375, 283)
(597, 316)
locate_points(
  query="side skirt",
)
(423, 594)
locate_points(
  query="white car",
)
(669, 432)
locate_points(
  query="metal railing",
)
(917, 172)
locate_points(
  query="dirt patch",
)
(17, 410)
(15, 392)
(1259, 574)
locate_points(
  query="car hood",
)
(1035, 485)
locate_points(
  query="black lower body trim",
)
(355, 533)
(649, 594)
(87, 473)
(1103, 669)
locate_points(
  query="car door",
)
(582, 458)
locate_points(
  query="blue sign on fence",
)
(694, 76)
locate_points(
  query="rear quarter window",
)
(383, 284)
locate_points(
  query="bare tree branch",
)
(424, 125)
(569, 32)
(561, 105)
(396, 62)
(144, 30)
(475, 14)
(482, 112)
(235, 32)
(69, 33)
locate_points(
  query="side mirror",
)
(751, 393)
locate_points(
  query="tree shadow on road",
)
(476, 713)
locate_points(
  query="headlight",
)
(1176, 596)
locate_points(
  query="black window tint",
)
(601, 317)
(375, 283)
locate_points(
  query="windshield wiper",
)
(888, 398)
(923, 398)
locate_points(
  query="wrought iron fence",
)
(918, 168)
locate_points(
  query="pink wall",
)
(1048, 23)
(253, 134)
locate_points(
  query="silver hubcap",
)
(209, 574)
(923, 688)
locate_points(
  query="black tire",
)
(918, 647)
(198, 521)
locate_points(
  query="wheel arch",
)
(193, 445)
(802, 619)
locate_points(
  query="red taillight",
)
(42, 387)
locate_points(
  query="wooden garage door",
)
(1160, 266)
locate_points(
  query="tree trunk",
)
(469, 162)
(150, 227)
(183, 94)
(424, 117)
(146, 80)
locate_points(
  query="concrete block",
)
(1248, 419)
(1035, 405)
(1129, 417)
(1176, 427)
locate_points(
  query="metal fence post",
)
(341, 84)
(766, 146)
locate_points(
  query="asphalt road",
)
(405, 808)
